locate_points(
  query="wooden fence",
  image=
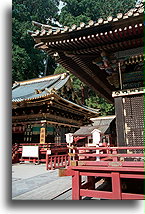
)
(57, 161)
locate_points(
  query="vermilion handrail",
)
(108, 148)
(104, 162)
(57, 161)
(108, 153)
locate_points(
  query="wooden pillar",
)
(119, 111)
(76, 184)
(116, 185)
(46, 161)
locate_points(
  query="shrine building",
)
(48, 105)
(107, 55)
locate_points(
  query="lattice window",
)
(57, 140)
(134, 120)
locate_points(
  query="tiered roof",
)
(46, 94)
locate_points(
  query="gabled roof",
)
(100, 123)
(84, 131)
(103, 120)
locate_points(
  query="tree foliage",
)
(28, 62)
(76, 11)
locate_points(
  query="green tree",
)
(76, 11)
(97, 102)
(28, 62)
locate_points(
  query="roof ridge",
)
(45, 30)
(103, 117)
(41, 79)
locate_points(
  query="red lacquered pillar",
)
(76, 184)
(116, 185)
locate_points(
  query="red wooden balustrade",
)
(116, 163)
(55, 148)
(57, 161)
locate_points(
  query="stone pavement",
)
(34, 182)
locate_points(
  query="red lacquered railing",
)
(57, 161)
(115, 163)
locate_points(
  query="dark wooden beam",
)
(95, 83)
(47, 116)
(47, 121)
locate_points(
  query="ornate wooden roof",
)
(93, 51)
(44, 89)
(42, 98)
(35, 89)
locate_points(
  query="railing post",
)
(116, 185)
(114, 152)
(54, 164)
(58, 160)
(46, 161)
(97, 152)
(76, 184)
(74, 151)
(76, 154)
(51, 162)
(62, 159)
(65, 160)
